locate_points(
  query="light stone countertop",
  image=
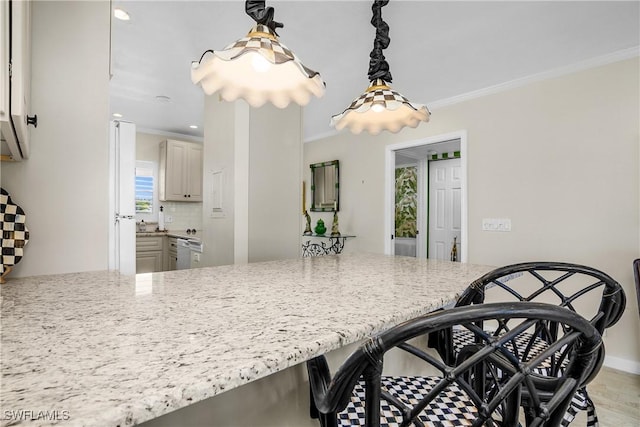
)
(171, 233)
(119, 350)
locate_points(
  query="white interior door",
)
(450, 142)
(122, 229)
(445, 208)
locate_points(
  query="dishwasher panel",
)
(184, 254)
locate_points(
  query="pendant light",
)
(380, 107)
(258, 68)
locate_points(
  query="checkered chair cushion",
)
(453, 407)
(463, 338)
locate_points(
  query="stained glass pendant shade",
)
(258, 68)
(380, 107)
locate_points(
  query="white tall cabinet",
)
(15, 77)
(180, 171)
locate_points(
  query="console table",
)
(333, 246)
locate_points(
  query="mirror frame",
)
(336, 207)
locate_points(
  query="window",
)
(144, 189)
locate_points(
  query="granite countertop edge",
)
(139, 347)
(171, 233)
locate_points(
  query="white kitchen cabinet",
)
(171, 258)
(15, 77)
(180, 171)
(148, 262)
(149, 254)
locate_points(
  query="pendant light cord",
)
(264, 16)
(378, 65)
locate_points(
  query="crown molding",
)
(599, 61)
(322, 135)
(180, 136)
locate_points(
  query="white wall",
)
(259, 153)
(275, 183)
(559, 157)
(218, 155)
(63, 186)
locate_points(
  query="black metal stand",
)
(334, 247)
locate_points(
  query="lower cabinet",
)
(172, 254)
(156, 253)
(149, 262)
(149, 254)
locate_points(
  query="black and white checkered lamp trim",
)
(14, 231)
(264, 41)
(215, 71)
(377, 100)
(452, 408)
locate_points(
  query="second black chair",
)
(585, 290)
(483, 387)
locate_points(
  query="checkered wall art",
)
(14, 233)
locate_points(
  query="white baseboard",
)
(626, 365)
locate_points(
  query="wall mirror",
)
(325, 188)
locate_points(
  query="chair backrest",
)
(585, 290)
(636, 275)
(492, 373)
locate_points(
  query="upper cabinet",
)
(180, 171)
(15, 78)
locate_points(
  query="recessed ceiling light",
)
(193, 127)
(163, 98)
(121, 14)
(117, 115)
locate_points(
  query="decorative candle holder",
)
(334, 227)
(307, 230)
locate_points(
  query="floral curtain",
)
(406, 201)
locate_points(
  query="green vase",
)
(320, 228)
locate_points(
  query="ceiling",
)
(438, 50)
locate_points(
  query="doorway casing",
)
(389, 187)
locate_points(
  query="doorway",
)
(439, 213)
(122, 222)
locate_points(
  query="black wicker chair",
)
(581, 289)
(483, 387)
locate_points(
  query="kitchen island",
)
(103, 349)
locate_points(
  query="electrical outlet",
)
(168, 218)
(496, 224)
(196, 257)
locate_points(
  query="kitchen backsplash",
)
(184, 215)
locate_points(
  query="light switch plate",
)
(496, 224)
(217, 213)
